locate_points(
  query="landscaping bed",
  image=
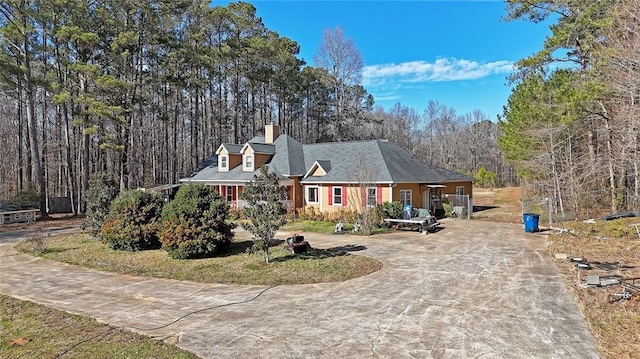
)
(236, 267)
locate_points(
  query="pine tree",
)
(264, 209)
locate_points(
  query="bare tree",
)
(364, 179)
(343, 62)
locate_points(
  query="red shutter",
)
(379, 193)
(330, 195)
(233, 193)
(363, 194)
(344, 196)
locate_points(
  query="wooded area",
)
(145, 91)
(572, 123)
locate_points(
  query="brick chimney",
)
(271, 132)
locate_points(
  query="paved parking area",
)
(473, 290)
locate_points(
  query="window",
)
(248, 162)
(372, 196)
(229, 194)
(312, 194)
(459, 190)
(337, 196)
(223, 162)
(405, 197)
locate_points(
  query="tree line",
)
(146, 91)
(571, 124)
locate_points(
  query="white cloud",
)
(443, 69)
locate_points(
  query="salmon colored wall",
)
(451, 188)
(416, 193)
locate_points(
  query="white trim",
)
(313, 167)
(306, 182)
(333, 196)
(318, 193)
(366, 200)
(245, 147)
(224, 168)
(246, 168)
(390, 193)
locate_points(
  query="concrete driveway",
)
(473, 290)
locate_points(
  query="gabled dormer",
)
(318, 169)
(255, 155)
(229, 156)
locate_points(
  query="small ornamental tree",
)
(133, 221)
(102, 190)
(195, 224)
(264, 209)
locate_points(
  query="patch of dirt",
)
(54, 220)
(613, 321)
(498, 204)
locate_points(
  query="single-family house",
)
(330, 176)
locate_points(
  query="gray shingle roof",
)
(288, 157)
(372, 161)
(405, 168)
(233, 148)
(264, 148)
(345, 158)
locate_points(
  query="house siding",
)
(416, 193)
(319, 172)
(234, 161)
(259, 159)
(451, 188)
(352, 195)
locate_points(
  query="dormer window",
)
(248, 162)
(224, 163)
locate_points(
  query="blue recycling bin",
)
(531, 222)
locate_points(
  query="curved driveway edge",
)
(474, 289)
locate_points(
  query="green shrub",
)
(101, 192)
(448, 209)
(391, 210)
(133, 222)
(29, 198)
(196, 223)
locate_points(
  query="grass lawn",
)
(29, 330)
(237, 267)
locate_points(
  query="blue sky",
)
(458, 53)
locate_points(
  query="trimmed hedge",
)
(195, 224)
(133, 221)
